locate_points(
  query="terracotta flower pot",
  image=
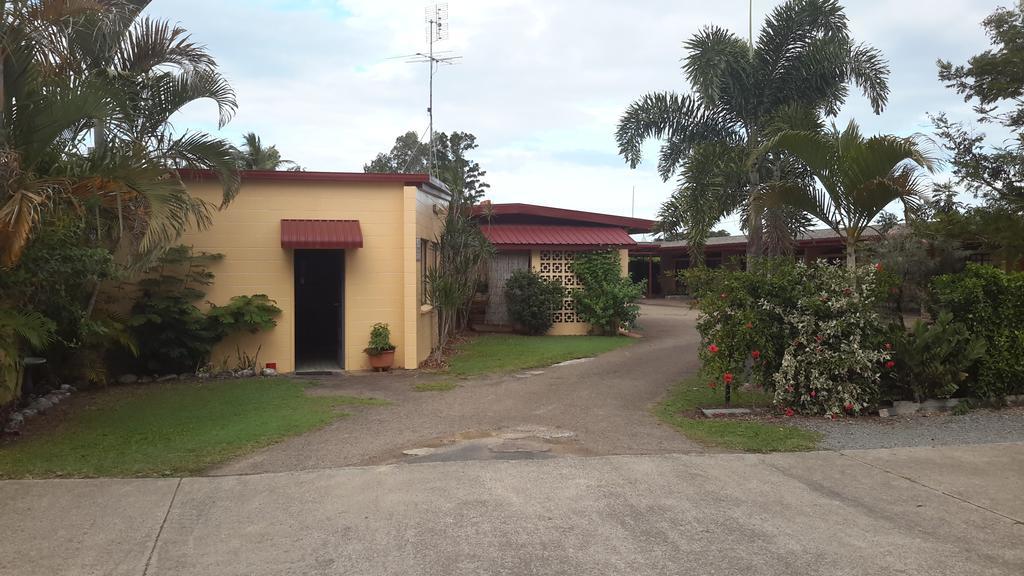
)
(382, 362)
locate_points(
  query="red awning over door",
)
(323, 234)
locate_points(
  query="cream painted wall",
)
(380, 277)
(428, 227)
(576, 328)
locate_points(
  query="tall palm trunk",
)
(754, 236)
(851, 253)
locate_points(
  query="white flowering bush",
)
(834, 363)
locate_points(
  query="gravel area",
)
(975, 427)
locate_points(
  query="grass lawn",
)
(439, 386)
(509, 353)
(746, 435)
(169, 429)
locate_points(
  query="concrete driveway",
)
(598, 407)
(912, 511)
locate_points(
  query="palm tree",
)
(799, 69)
(79, 68)
(154, 70)
(40, 120)
(254, 156)
(858, 177)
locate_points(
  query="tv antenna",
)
(436, 19)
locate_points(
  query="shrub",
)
(607, 300)
(931, 361)
(810, 332)
(172, 333)
(990, 304)
(834, 363)
(380, 340)
(531, 300)
(747, 337)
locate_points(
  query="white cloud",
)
(541, 83)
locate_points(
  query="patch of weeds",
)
(963, 407)
(439, 386)
(735, 434)
(358, 401)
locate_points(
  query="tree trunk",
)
(754, 224)
(99, 135)
(754, 239)
(851, 255)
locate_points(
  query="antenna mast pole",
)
(751, 29)
(437, 29)
(431, 23)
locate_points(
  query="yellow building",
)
(338, 252)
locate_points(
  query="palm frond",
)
(200, 150)
(150, 43)
(680, 120)
(718, 65)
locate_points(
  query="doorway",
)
(319, 310)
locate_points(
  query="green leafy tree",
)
(452, 164)
(799, 68)
(994, 82)
(858, 177)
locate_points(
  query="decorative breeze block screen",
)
(557, 265)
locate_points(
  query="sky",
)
(541, 83)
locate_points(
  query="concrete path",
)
(598, 407)
(913, 511)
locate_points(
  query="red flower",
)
(756, 354)
(878, 267)
(748, 325)
(712, 385)
(727, 377)
(888, 345)
(713, 349)
(789, 412)
(819, 338)
(813, 394)
(848, 406)
(890, 364)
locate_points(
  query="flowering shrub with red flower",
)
(811, 333)
(739, 335)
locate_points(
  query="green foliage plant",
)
(990, 304)
(173, 334)
(532, 299)
(606, 298)
(380, 340)
(931, 361)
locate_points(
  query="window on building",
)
(426, 254)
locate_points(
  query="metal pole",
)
(430, 104)
(751, 14)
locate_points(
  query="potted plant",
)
(380, 350)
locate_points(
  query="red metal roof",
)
(498, 211)
(534, 236)
(324, 234)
